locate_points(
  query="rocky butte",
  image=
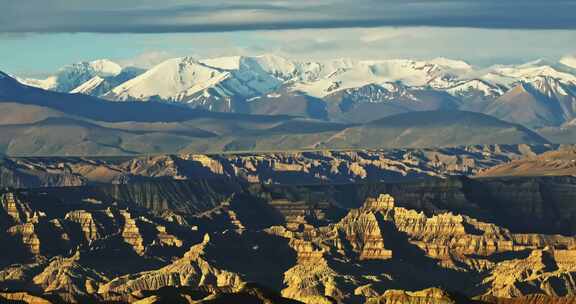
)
(245, 247)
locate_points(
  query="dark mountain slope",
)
(433, 128)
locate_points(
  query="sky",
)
(39, 36)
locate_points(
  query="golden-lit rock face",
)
(454, 241)
(191, 270)
(19, 212)
(64, 277)
(41, 236)
(91, 229)
(69, 278)
(312, 281)
(360, 230)
(33, 231)
(138, 232)
(131, 233)
(296, 251)
(22, 297)
(26, 233)
(544, 271)
(429, 295)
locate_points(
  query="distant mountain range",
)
(536, 94)
(35, 121)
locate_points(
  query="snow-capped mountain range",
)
(538, 93)
(85, 77)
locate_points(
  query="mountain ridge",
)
(76, 124)
(233, 84)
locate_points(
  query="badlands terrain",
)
(437, 225)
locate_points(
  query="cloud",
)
(477, 46)
(178, 16)
(375, 35)
(569, 60)
(147, 60)
(42, 53)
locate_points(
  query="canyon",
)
(288, 228)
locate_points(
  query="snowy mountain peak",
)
(49, 83)
(101, 67)
(475, 86)
(105, 67)
(509, 75)
(549, 86)
(450, 63)
(182, 79)
(377, 93)
(218, 83)
(174, 80)
(89, 86)
(71, 76)
(223, 63)
(273, 65)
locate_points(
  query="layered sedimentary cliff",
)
(191, 270)
(438, 241)
(450, 242)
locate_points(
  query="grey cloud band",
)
(174, 16)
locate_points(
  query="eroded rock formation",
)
(191, 270)
(271, 168)
(426, 296)
(86, 245)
